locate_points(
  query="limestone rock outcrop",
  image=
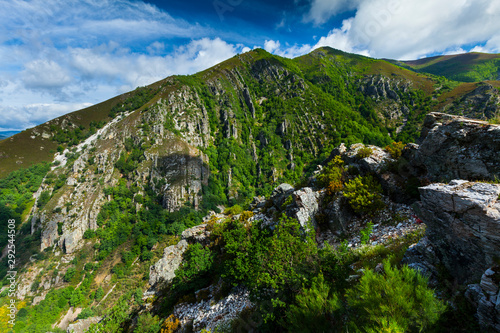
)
(463, 225)
(164, 269)
(306, 205)
(485, 296)
(82, 325)
(454, 147)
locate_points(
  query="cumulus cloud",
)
(322, 10)
(271, 45)
(339, 39)
(19, 118)
(77, 22)
(56, 56)
(414, 28)
(288, 51)
(45, 74)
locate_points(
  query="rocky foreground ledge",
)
(463, 235)
(454, 147)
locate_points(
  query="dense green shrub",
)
(70, 273)
(99, 293)
(43, 199)
(396, 301)
(197, 263)
(364, 152)
(272, 263)
(332, 176)
(395, 149)
(364, 194)
(234, 210)
(147, 323)
(88, 234)
(366, 232)
(86, 313)
(16, 198)
(315, 309)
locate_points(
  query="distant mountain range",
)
(468, 67)
(6, 134)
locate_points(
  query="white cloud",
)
(57, 55)
(288, 51)
(19, 118)
(339, 39)
(322, 10)
(92, 75)
(75, 21)
(411, 29)
(271, 45)
(454, 51)
(44, 74)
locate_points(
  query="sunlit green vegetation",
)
(16, 195)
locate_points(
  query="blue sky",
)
(57, 56)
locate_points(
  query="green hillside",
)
(468, 67)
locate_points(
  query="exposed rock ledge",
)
(463, 226)
(164, 269)
(485, 296)
(454, 147)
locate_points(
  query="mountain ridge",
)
(354, 64)
(171, 169)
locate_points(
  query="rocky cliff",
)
(453, 147)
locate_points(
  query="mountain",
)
(468, 67)
(108, 200)
(6, 134)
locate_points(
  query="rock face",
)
(82, 325)
(463, 225)
(280, 194)
(481, 103)
(198, 234)
(164, 270)
(486, 297)
(306, 205)
(422, 257)
(454, 147)
(184, 169)
(210, 313)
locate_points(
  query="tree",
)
(99, 293)
(396, 301)
(314, 309)
(70, 273)
(332, 176)
(364, 194)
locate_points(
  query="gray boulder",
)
(280, 194)
(422, 257)
(338, 215)
(82, 325)
(198, 234)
